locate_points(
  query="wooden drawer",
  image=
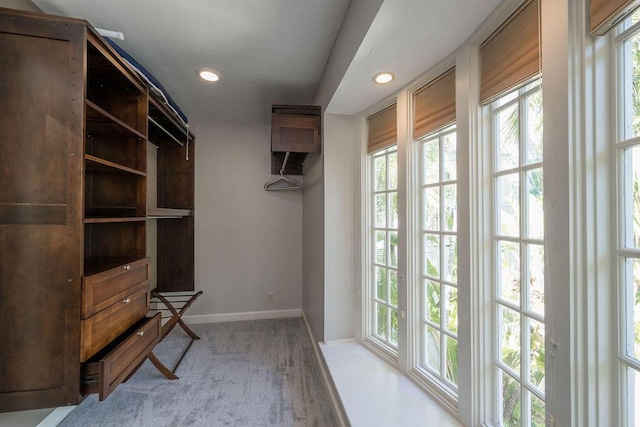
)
(103, 327)
(101, 290)
(103, 373)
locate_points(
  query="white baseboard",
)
(250, 315)
(55, 417)
(329, 342)
(333, 393)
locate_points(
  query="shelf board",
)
(96, 220)
(97, 164)
(108, 123)
(160, 213)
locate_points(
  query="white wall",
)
(20, 4)
(248, 241)
(313, 252)
(339, 254)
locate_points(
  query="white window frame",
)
(625, 364)
(383, 347)
(422, 370)
(525, 315)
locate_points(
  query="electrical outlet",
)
(271, 297)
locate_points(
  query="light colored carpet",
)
(254, 373)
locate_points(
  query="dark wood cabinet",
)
(295, 129)
(74, 272)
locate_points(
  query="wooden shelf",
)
(96, 164)
(160, 213)
(111, 220)
(106, 123)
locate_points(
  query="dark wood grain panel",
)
(41, 237)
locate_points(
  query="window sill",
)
(376, 394)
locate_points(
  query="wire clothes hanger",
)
(283, 183)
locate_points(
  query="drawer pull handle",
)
(141, 333)
(126, 300)
(127, 267)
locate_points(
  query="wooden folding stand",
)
(172, 301)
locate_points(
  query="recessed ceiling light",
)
(384, 77)
(209, 75)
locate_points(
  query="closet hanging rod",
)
(284, 163)
(167, 132)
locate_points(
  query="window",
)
(518, 256)
(384, 261)
(439, 269)
(627, 153)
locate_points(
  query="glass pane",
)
(507, 98)
(381, 210)
(509, 271)
(452, 359)
(511, 402)
(534, 128)
(432, 208)
(632, 88)
(510, 338)
(508, 204)
(432, 255)
(433, 349)
(380, 171)
(393, 282)
(632, 297)
(535, 211)
(381, 320)
(393, 210)
(450, 208)
(632, 197)
(537, 412)
(381, 283)
(393, 249)
(381, 247)
(633, 397)
(393, 171)
(451, 306)
(394, 327)
(450, 149)
(450, 258)
(431, 161)
(536, 355)
(432, 301)
(535, 258)
(507, 133)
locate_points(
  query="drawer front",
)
(119, 363)
(101, 290)
(103, 327)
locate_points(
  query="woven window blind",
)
(435, 104)
(606, 13)
(382, 129)
(511, 55)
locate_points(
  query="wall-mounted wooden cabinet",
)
(74, 274)
(295, 129)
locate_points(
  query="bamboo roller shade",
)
(382, 131)
(435, 104)
(606, 13)
(511, 55)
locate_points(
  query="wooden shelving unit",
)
(175, 208)
(75, 287)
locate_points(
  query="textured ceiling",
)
(407, 37)
(275, 51)
(268, 51)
